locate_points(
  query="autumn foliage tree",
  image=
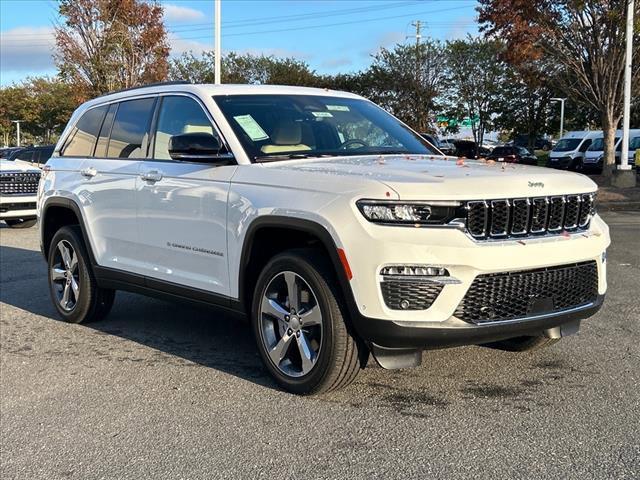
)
(586, 38)
(104, 45)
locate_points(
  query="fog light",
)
(414, 271)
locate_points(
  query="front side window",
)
(178, 115)
(129, 132)
(83, 138)
(277, 126)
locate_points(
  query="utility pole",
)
(624, 158)
(17, 122)
(218, 41)
(421, 122)
(561, 100)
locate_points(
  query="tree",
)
(243, 68)
(476, 76)
(104, 45)
(407, 81)
(586, 38)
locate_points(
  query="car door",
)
(182, 206)
(109, 197)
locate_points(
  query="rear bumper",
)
(454, 332)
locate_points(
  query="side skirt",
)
(152, 287)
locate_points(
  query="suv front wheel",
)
(72, 285)
(299, 326)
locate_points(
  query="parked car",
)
(447, 147)
(432, 139)
(18, 190)
(569, 152)
(539, 143)
(323, 219)
(470, 149)
(35, 155)
(513, 155)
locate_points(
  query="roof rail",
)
(155, 84)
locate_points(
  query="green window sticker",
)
(338, 108)
(251, 127)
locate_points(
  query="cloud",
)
(277, 52)
(177, 14)
(462, 27)
(27, 49)
(180, 45)
(385, 40)
(336, 62)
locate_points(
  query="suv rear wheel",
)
(72, 284)
(299, 326)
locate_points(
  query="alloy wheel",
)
(291, 324)
(65, 276)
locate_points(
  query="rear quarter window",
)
(83, 138)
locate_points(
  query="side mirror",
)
(198, 147)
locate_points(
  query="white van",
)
(594, 154)
(634, 144)
(569, 152)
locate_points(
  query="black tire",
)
(92, 303)
(340, 355)
(524, 344)
(21, 223)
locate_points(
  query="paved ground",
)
(165, 391)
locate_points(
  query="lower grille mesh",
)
(513, 295)
(409, 294)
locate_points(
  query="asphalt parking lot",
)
(161, 390)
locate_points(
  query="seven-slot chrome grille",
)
(19, 183)
(522, 217)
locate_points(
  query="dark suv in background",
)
(512, 154)
(38, 155)
(538, 144)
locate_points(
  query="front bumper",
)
(560, 162)
(454, 332)
(18, 207)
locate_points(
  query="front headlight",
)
(410, 213)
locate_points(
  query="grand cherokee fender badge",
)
(536, 184)
(194, 249)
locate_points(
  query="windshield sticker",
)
(251, 127)
(338, 108)
(321, 114)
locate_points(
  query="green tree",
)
(476, 77)
(407, 80)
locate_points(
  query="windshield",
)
(279, 127)
(567, 144)
(598, 144)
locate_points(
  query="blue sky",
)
(331, 35)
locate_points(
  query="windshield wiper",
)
(290, 156)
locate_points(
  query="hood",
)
(446, 178)
(16, 165)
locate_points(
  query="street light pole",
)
(561, 100)
(624, 155)
(218, 41)
(17, 122)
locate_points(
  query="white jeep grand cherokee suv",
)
(18, 193)
(333, 226)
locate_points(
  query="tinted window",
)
(105, 131)
(502, 151)
(83, 139)
(178, 115)
(129, 133)
(25, 155)
(43, 154)
(280, 126)
(585, 145)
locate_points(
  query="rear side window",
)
(105, 131)
(83, 139)
(129, 133)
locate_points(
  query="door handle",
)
(151, 176)
(88, 172)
